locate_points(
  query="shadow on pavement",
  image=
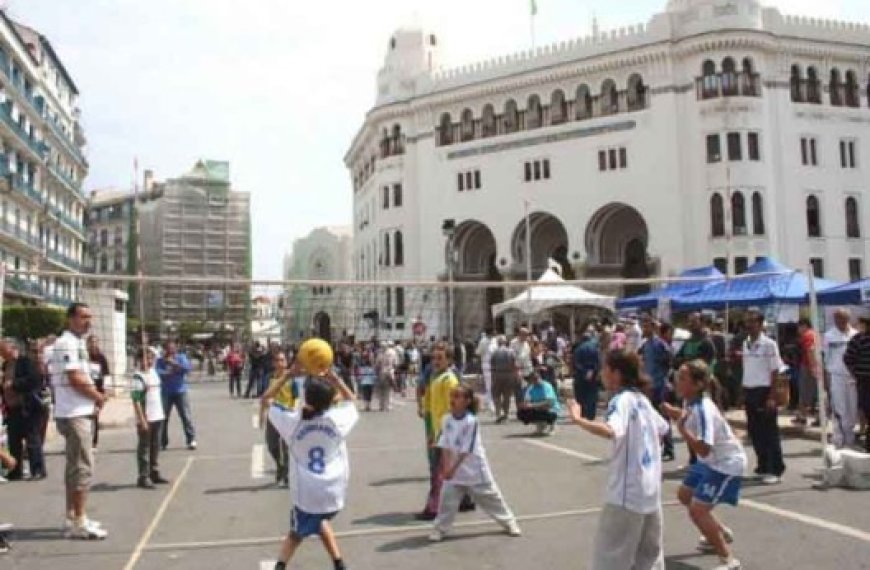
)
(36, 534)
(399, 481)
(420, 542)
(677, 562)
(111, 487)
(388, 519)
(241, 489)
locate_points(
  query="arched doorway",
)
(549, 240)
(476, 260)
(323, 326)
(616, 246)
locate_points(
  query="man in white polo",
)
(77, 402)
(844, 388)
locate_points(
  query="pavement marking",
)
(808, 520)
(158, 516)
(267, 564)
(255, 420)
(258, 461)
(403, 529)
(563, 450)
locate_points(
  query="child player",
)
(630, 525)
(315, 433)
(716, 477)
(465, 468)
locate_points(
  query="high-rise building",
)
(42, 166)
(197, 227)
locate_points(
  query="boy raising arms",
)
(315, 433)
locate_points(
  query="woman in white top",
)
(630, 526)
(148, 410)
(716, 477)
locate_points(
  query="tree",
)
(27, 322)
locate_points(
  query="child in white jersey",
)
(465, 469)
(315, 432)
(630, 526)
(716, 477)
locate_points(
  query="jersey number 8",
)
(316, 464)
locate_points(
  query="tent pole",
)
(820, 382)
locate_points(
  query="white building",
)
(42, 166)
(320, 309)
(265, 328)
(719, 131)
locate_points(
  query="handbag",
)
(782, 389)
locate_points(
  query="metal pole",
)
(2, 291)
(450, 287)
(820, 377)
(528, 260)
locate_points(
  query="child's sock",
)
(280, 565)
(339, 564)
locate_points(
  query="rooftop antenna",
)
(596, 32)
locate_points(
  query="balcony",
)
(734, 84)
(20, 235)
(66, 180)
(61, 259)
(67, 144)
(58, 300)
(26, 188)
(39, 148)
(24, 287)
(65, 218)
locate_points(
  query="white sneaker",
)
(705, 546)
(68, 523)
(732, 564)
(6, 527)
(770, 480)
(87, 531)
(540, 429)
(436, 536)
(513, 529)
(551, 429)
(192, 445)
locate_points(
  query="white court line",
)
(146, 536)
(255, 420)
(258, 461)
(762, 507)
(267, 564)
(563, 450)
(807, 519)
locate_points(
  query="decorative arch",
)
(814, 86)
(609, 97)
(729, 77)
(558, 107)
(534, 112)
(758, 214)
(583, 103)
(475, 247)
(836, 88)
(796, 83)
(853, 219)
(738, 214)
(466, 129)
(709, 80)
(445, 130)
(717, 215)
(488, 127)
(617, 237)
(637, 93)
(814, 217)
(549, 240)
(511, 117)
(853, 97)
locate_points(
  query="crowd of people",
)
(658, 383)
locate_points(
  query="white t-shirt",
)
(635, 479)
(705, 421)
(523, 352)
(760, 358)
(834, 346)
(149, 382)
(319, 452)
(70, 353)
(47, 358)
(633, 337)
(462, 435)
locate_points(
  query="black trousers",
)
(763, 431)
(236, 382)
(528, 416)
(24, 430)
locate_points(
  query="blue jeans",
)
(181, 402)
(586, 394)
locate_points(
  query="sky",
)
(279, 87)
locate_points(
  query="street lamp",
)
(448, 228)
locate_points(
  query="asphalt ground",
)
(224, 511)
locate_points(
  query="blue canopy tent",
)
(767, 282)
(856, 293)
(707, 276)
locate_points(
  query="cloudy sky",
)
(278, 87)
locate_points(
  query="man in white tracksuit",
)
(485, 348)
(844, 389)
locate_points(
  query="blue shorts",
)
(712, 487)
(303, 524)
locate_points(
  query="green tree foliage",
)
(22, 322)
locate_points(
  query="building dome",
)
(683, 5)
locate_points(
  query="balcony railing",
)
(17, 233)
(66, 180)
(68, 144)
(26, 188)
(23, 286)
(742, 84)
(37, 147)
(62, 259)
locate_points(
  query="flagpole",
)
(532, 13)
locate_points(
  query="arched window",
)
(511, 117)
(717, 215)
(814, 217)
(398, 142)
(487, 125)
(399, 257)
(868, 90)
(534, 113)
(104, 263)
(467, 129)
(757, 214)
(558, 107)
(836, 88)
(445, 130)
(795, 84)
(386, 253)
(709, 81)
(729, 77)
(853, 224)
(385, 144)
(738, 214)
(749, 83)
(636, 93)
(853, 99)
(814, 86)
(584, 103)
(609, 98)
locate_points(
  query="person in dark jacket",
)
(21, 388)
(587, 365)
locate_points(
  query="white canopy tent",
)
(551, 292)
